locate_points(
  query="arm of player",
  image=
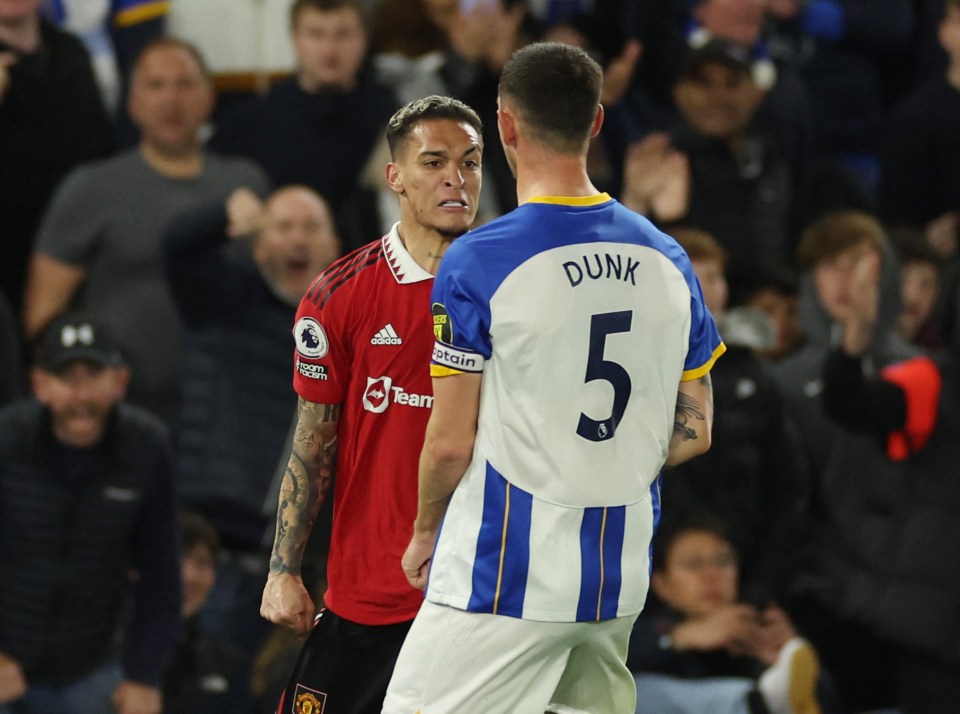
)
(306, 480)
(447, 450)
(692, 421)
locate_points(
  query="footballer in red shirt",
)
(364, 336)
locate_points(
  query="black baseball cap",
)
(76, 336)
(717, 49)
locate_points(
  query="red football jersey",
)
(364, 336)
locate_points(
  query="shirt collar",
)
(594, 200)
(404, 268)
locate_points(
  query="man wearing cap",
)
(87, 517)
(714, 171)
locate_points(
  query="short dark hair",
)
(176, 44)
(911, 246)
(555, 90)
(837, 232)
(680, 523)
(325, 6)
(433, 107)
(195, 530)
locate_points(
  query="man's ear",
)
(507, 124)
(597, 122)
(394, 181)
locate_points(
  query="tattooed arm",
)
(692, 421)
(306, 480)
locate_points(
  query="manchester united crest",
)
(308, 701)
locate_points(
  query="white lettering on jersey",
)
(387, 335)
(376, 398)
(312, 371)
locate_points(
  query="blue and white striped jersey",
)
(583, 319)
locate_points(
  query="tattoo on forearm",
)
(305, 482)
(687, 409)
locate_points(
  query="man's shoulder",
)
(345, 275)
(141, 426)
(235, 170)
(109, 172)
(17, 420)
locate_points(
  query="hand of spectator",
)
(286, 602)
(7, 60)
(416, 559)
(943, 234)
(13, 684)
(775, 630)
(656, 178)
(864, 292)
(472, 32)
(734, 628)
(566, 35)
(619, 73)
(505, 37)
(244, 213)
(133, 698)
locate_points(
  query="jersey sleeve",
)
(460, 305)
(705, 344)
(322, 355)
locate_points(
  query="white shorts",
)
(457, 662)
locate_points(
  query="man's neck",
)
(312, 86)
(425, 245)
(173, 164)
(23, 34)
(543, 173)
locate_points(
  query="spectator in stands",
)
(238, 308)
(849, 534)
(99, 244)
(887, 548)
(751, 477)
(669, 29)
(920, 270)
(712, 172)
(920, 163)
(319, 127)
(775, 294)
(114, 33)
(698, 646)
(847, 52)
(51, 119)
(87, 518)
(205, 676)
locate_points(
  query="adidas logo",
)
(386, 336)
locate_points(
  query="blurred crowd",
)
(173, 175)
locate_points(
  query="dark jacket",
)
(238, 402)
(322, 140)
(51, 120)
(75, 525)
